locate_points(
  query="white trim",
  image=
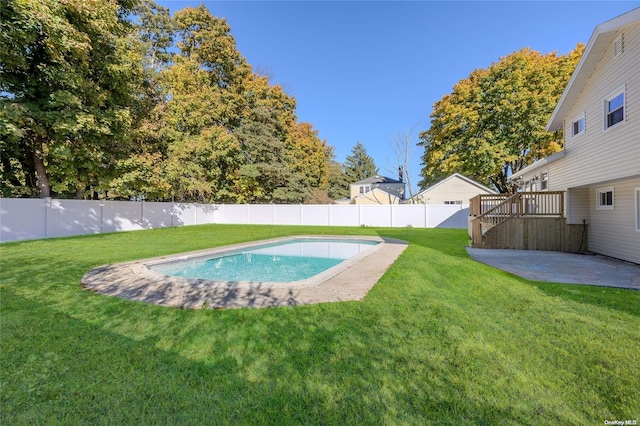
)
(637, 193)
(578, 118)
(531, 167)
(461, 176)
(605, 107)
(599, 41)
(542, 180)
(599, 192)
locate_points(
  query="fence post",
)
(47, 206)
(425, 215)
(102, 216)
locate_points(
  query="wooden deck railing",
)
(488, 211)
(481, 203)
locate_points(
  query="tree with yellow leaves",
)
(493, 123)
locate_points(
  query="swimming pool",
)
(282, 262)
(350, 279)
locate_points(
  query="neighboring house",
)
(599, 168)
(456, 189)
(377, 190)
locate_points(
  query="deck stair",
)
(521, 220)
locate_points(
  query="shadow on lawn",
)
(307, 365)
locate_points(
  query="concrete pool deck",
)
(559, 267)
(134, 281)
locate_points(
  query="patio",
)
(554, 266)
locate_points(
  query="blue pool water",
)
(287, 261)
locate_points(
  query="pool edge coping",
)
(350, 280)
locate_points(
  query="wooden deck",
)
(524, 221)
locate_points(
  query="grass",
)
(440, 339)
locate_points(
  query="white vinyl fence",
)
(22, 218)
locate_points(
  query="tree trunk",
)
(41, 172)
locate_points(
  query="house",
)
(377, 190)
(456, 189)
(599, 167)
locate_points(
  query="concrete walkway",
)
(559, 267)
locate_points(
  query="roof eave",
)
(586, 64)
(542, 162)
(461, 176)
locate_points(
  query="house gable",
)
(455, 189)
(601, 41)
(377, 196)
(595, 151)
(599, 168)
(383, 183)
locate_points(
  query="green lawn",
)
(440, 339)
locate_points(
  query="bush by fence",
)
(22, 219)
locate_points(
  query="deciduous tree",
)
(493, 122)
(401, 147)
(118, 96)
(309, 155)
(71, 88)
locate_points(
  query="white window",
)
(531, 184)
(604, 199)
(577, 126)
(638, 209)
(614, 109)
(544, 181)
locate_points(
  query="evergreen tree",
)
(264, 176)
(359, 164)
(338, 186)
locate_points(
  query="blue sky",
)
(365, 71)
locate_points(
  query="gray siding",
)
(613, 232)
(577, 200)
(600, 155)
